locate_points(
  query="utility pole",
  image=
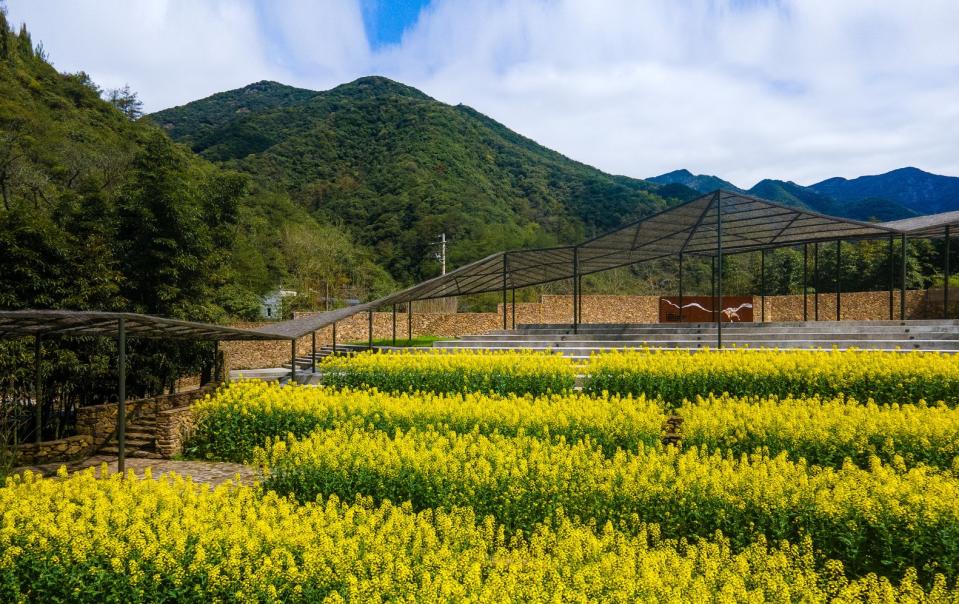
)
(441, 256)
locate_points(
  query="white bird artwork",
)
(730, 313)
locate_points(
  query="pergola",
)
(41, 324)
(713, 225)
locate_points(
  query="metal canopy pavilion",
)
(712, 225)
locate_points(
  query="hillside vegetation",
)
(100, 210)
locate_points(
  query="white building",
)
(271, 306)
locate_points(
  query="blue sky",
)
(745, 89)
(386, 20)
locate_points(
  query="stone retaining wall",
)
(174, 428)
(64, 449)
(99, 422)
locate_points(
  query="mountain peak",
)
(704, 183)
(376, 85)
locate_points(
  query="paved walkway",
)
(208, 472)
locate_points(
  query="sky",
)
(799, 90)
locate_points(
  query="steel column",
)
(313, 356)
(579, 306)
(37, 389)
(504, 290)
(762, 286)
(575, 289)
(805, 284)
(680, 287)
(719, 270)
(293, 361)
(394, 325)
(892, 275)
(409, 320)
(369, 329)
(513, 306)
(121, 395)
(712, 287)
(838, 279)
(217, 376)
(334, 338)
(902, 292)
(815, 279)
(945, 283)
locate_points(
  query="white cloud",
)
(746, 89)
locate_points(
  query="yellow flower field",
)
(82, 539)
(484, 477)
(886, 377)
(437, 371)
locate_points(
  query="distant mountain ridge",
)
(900, 193)
(920, 191)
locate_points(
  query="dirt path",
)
(208, 472)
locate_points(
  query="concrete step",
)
(921, 329)
(734, 336)
(579, 347)
(131, 451)
(933, 322)
(134, 442)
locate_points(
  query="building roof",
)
(933, 225)
(18, 323)
(748, 223)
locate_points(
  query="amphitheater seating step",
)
(580, 342)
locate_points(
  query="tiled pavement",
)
(208, 472)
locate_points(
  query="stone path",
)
(207, 472)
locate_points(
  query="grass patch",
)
(404, 342)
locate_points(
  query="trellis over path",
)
(48, 324)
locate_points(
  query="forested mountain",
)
(396, 168)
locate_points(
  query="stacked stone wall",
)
(64, 449)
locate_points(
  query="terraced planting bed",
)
(673, 476)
